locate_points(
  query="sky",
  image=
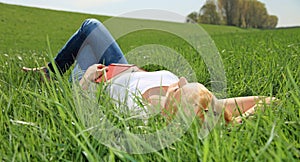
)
(169, 10)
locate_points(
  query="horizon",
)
(288, 16)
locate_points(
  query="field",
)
(38, 120)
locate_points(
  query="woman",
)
(94, 49)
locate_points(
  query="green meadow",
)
(39, 121)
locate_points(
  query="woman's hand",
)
(92, 73)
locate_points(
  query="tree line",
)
(241, 13)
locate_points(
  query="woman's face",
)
(193, 98)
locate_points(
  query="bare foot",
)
(43, 70)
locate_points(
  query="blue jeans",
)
(91, 44)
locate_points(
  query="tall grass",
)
(39, 120)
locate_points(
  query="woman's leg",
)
(91, 44)
(99, 47)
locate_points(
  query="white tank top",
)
(127, 89)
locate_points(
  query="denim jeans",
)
(91, 44)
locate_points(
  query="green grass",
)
(39, 121)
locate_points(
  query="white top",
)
(127, 89)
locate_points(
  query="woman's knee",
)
(90, 23)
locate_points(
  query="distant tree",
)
(245, 13)
(192, 17)
(259, 14)
(229, 9)
(271, 22)
(208, 13)
(241, 13)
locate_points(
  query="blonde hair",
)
(197, 97)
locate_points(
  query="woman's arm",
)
(91, 74)
(241, 105)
